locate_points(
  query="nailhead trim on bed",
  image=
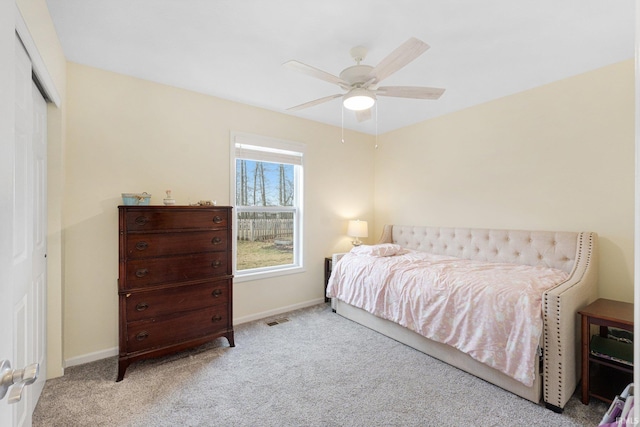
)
(555, 389)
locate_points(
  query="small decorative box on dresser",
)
(175, 279)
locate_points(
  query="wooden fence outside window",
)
(265, 229)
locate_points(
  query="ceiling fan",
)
(361, 81)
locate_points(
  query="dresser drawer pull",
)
(217, 263)
(217, 219)
(141, 220)
(216, 293)
(216, 318)
(216, 240)
(142, 272)
(141, 246)
(142, 336)
(142, 306)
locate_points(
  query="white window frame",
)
(275, 151)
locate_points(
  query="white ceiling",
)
(234, 49)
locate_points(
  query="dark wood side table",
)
(327, 273)
(604, 313)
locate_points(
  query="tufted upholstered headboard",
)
(547, 248)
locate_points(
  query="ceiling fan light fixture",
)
(358, 99)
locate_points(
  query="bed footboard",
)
(562, 339)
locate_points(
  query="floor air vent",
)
(277, 321)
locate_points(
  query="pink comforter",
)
(491, 311)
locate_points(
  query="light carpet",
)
(316, 369)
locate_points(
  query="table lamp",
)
(357, 229)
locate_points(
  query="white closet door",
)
(39, 272)
(25, 197)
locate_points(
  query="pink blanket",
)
(491, 311)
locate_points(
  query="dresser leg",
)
(229, 336)
(122, 367)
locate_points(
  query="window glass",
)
(264, 236)
(268, 197)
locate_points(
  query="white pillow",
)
(381, 250)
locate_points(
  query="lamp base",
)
(356, 242)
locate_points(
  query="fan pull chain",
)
(376, 146)
(343, 124)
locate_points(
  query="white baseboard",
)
(103, 354)
(91, 357)
(276, 311)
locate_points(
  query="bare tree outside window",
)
(264, 237)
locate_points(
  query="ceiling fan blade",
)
(410, 92)
(314, 102)
(407, 52)
(315, 72)
(363, 115)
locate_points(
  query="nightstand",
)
(327, 273)
(603, 377)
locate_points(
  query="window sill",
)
(259, 275)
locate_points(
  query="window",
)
(267, 178)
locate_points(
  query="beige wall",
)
(36, 15)
(130, 135)
(557, 157)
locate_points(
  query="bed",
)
(541, 277)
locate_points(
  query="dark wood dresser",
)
(175, 279)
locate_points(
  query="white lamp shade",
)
(358, 228)
(358, 99)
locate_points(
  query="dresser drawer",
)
(143, 305)
(154, 271)
(176, 219)
(161, 244)
(162, 332)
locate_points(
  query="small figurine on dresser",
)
(169, 201)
